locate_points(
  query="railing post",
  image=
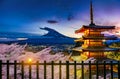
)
(111, 67)
(67, 69)
(22, 69)
(0, 69)
(75, 70)
(37, 69)
(44, 69)
(52, 69)
(30, 69)
(118, 69)
(90, 70)
(97, 72)
(7, 69)
(15, 69)
(104, 65)
(60, 70)
(82, 69)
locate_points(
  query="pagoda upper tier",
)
(94, 27)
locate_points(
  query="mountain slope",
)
(53, 33)
(52, 37)
(18, 35)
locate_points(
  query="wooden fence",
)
(91, 66)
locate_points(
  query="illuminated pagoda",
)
(93, 39)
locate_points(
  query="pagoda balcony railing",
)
(94, 35)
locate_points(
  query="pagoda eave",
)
(100, 38)
(82, 29)
(79, 49)
(100, 49)
(78, 40)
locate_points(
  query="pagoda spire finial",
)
(91, 13)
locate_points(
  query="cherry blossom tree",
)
(17, 52)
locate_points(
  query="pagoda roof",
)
(104, 49)
(93, 27)
(92, 49)
(100, 37)
(79, 49)
(78, 40)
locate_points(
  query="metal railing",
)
(91, 66)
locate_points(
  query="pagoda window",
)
(97, 54)
(87, 53)
(95, 33)
(94, 54)
(95, 40)
(86, 32)
(99, 30)
(86, 42)
(95, 43)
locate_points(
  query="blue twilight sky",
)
(29, 15)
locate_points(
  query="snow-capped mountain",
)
(53, 33)
(52, 37)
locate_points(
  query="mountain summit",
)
(52, 32)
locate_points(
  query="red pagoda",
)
(93, 39)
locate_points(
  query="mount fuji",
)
(52, 37)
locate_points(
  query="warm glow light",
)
(29, 60)
(87, 53)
